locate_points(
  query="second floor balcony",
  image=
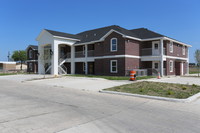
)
(152, 52)
(81, 54)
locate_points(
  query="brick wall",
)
(132, 47)
(102, 67)
(103, 48)
(177, 50)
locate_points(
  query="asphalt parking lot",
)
(40, 107)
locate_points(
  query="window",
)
(171, 66)
(30, 66)
(113, 44)
(113, 66)
(183, 50)
(30, 53)
(156, 46)
(156, 65)
(171, 47)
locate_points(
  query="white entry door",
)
(156, 65)
(156, 48)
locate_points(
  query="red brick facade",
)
(129, 51)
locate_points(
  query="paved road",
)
(29, 107)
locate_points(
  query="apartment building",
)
(112, 51)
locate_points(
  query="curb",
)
(189, 99)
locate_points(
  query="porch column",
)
(161, 58)
(188, 60)
(86, 55)
(40, 60)
(54, 60)
(182, 69)
(72, 60)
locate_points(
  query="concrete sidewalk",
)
(80, 83)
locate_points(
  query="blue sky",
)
(22, 20)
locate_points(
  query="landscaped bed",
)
(112, 77)
(158, 89)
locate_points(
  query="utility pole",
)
(8, 56)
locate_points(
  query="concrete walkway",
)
(80, 83)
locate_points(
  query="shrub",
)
(184, 88)
(141, 90)
(170, 92)
(194, 85)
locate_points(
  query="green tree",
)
(197, 58)
(19, 55)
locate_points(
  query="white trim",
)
(129, 37)
(174, 57)
(166, 38)
(87, 43)
(111, 61)
(171, 67)
(183, 50)
(108, 33)
(111, 44)
(171, 47)
(66, 38)
(151, 39)
(117, 56)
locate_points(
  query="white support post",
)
(72, 60)
(161, 58)
(188, 60)
(40, 60)
(54, 59)
(86, 55)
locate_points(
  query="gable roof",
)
(34, 47)
(97, 34)
(62, 34)
(144, 33)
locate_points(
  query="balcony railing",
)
(90, 53)
(81, 54)
(150, 51)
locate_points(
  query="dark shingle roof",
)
(62, 34)
(34, 47)
(144, 33)
(96, 34)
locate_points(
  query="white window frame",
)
(111, 70)
(183, 50)
(171, 65)
(171, 49)
(111, 44)
(30, 53)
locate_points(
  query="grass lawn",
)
(158, 89)
(4, 74)
(193, 70)
(111, 77)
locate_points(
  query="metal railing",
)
(80, 54)
(150, 51)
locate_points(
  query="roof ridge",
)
(59, 31)
(98, 28)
